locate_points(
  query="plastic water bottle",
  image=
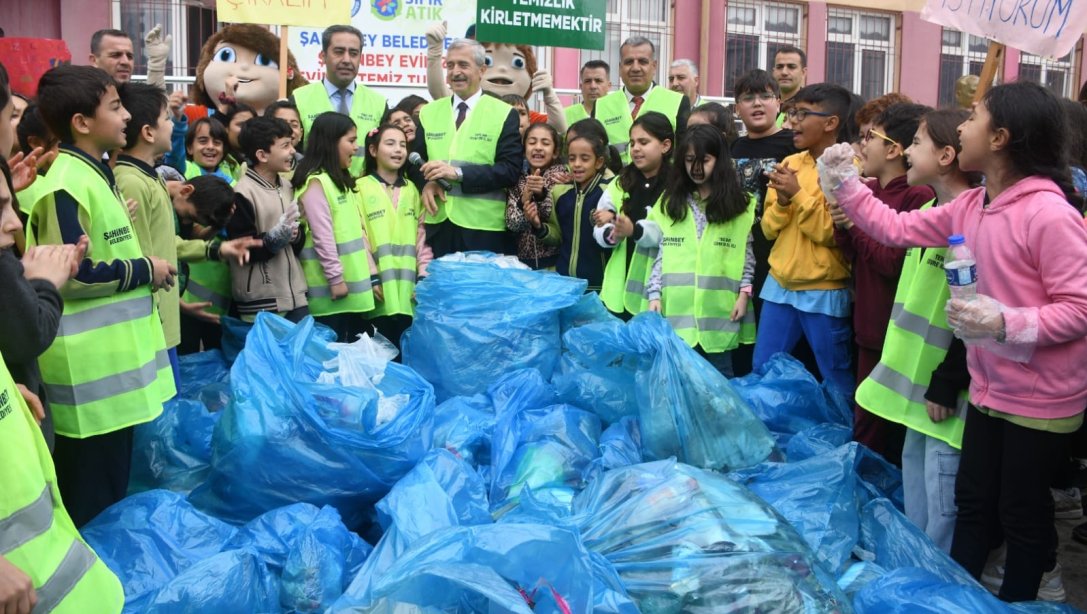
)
(961, 269)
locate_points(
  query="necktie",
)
(638, 100)
(462, 110)
(343, 102)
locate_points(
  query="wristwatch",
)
(460, 173)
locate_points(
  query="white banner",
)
(394, 42)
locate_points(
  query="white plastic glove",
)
(542, 82)
(836, 167)
(435, 38)
(279, 236)
(156, 48)
(981, 322)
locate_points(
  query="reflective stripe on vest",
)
(107, 369)
(700, 279)
(347, 229)
(474, 143)
(36, 534)
(209, 281)
(624, 284)
(367, 109)
(916, 344)
(393, 231)
(613, 111)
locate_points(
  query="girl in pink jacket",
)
(1025, 332)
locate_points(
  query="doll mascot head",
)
(240, 64)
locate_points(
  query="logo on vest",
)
(486, 138)
(435, 136)
(672, 241)
(611, 121)
(373, 215)
(118, 235)
(5, 404)
(936, 261)
(725, 242)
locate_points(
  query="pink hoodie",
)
(1031, 252)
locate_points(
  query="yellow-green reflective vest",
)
(918, 337)
(36, 533)
(108, 367)
(392, 232)
(367, 109)
(209, 282)
(575, 113)
(701, 279)
(613, 111)
(474, 143)
(624, 286)
(347, 230)
(194, 170)
(30, 194)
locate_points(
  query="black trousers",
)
(198, 335)
(447, 238)
(92, 473)
(347, 326)
(392, 327)
(1003, 488)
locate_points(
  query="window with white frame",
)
(754, 33)
(1056, 74)
(190, 23)
(626, 18)
(861, 51)
(960, 54)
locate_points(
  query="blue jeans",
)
(830, 338)
(929, 467)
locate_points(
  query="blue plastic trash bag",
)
(621, 444)
(609, 594)
(521, 389)
(788, 399)
(475, 321)
(235, 332)
(173, 451)
(588, 310)
(463, 425)
(287, 438)
(598, 369)
(687, 540)
(687, 409)
(149, 538)
(520, 568)
(816, 440)
(910, 590)
(200, 370)
(232, 581)
(819, 496)
(441, 491)
(895, 542)
(321, 563)
(858, 575)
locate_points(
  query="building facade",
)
(870, 46)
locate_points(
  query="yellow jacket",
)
(804, 255)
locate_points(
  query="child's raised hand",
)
(534, 183)
(238, 249)
(841, 220)
(532, 214)
(783, 180)
(603, 216)
(51, 263)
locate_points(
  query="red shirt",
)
(876, 267)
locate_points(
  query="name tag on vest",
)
(118, 235)
(725, 242)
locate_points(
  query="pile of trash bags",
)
(531, 454)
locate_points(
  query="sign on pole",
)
(551, 23)
(285, 12)
(1042, 27)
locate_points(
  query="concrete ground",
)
(1073, 558)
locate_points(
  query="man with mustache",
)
(473, 144)
(341, 52)
(640, 94)
(112, 51)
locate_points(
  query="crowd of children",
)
(826, 239)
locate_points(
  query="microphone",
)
(416, 160)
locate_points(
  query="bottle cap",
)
(956, 240)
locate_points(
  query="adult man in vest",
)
(473, 144)
(341, 51)
(639, 94)
(595, 83)
(683, 78)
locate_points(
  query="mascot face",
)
(238, 74)
(509, 69)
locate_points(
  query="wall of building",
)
(73, 21)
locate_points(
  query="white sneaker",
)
(1067, 503)
(1051, 588)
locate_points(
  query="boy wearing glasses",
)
(876, 267)
(806, 294)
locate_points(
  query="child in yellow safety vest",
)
(340, 273)
(394, 218)
(701, 277)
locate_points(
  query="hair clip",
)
(371, 133)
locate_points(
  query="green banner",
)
(550, 23)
